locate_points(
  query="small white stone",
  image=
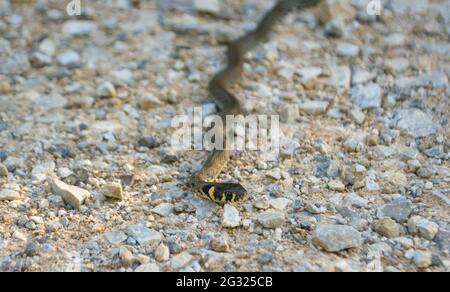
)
(147, 268)
(164, 209)
(279, 203)
(208, 6)
(314, 107)
(347, 50)
(72, 195)
(271, 219)
(231, 216)
(422, 259)
(181, 260)
(113, 190)
(162, 253)
(9, 195)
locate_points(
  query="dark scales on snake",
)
(204, 181)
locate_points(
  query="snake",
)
(204, 181)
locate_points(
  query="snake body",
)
(204, 181)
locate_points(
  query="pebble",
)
(3, 170)
(231, 216)
(69, 59)
(422, 259)
(262, 203)
(148, 101)
(78, 27)
(340, 77)
(72, 195)
(47, 47)
(220, 244)
(279, 203)
(399, 210)
(334, 238)
(162, 253)
(336, 185)
(39, 60)
(347, 50)
(396, 65)
(149, 142)
(387, 227)
(181, 260)
(106, 90)
(207, 6)
(314, 107)
(9, 195)
(367, 96)
(357, 115)
(416, 122)
(405, 242)
(309, 73)
(361, 76)
(425, 228)
(356, 201)
(147, 268)
(116, 237)
(143, 235)
(271, 219)
(164, 209)
(126, 257)
(5, 87)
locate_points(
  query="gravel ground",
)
(89, 182)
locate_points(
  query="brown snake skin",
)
(204, 180)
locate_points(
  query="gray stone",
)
(399, 210)
(354, 200)
(308, 73)
(340, 77)
(367, 96)
(314, 107)
(39, 60)
(231, 216)
(147, 268)
(422, 259)
(396, 65)
(72, 195)
(361, 76)
(69, 59)
(381, 152)
(357, 115)
(334, 238)
(208, 6)
(271, 219)
(164, 209)
(424, 227)
(416, 122)
(279, 203)
(181, 260)
(143, 235)
(347, 50)
(15, 65)
(116, 237)
(78, 27)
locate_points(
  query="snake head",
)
(225, 192)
